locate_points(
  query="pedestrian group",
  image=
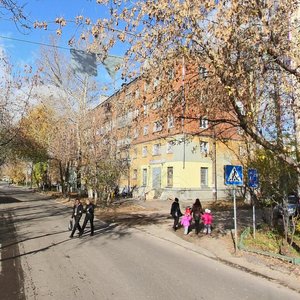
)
(77, 213)
(201, 218)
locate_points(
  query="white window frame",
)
(203, 72)
(134, 174)
(128, 96)
(204, 175)
(146, 108)
(156, 149)
(144, 151)
(157, 126)
(145, 177)
(203, 122)
(170, 121)
(146, 86)
(204, 147)
(146, 130)
(135, 133)
(170, 180)
(171, 74)
(135, 153)
(158, 103)
(156, 82)
(137, 93)
(170, 149)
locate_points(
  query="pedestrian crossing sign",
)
(233, 175)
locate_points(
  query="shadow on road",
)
(6, 200)
(118, 226)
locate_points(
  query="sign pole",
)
(234, 177)
(235, 222)
(254, 227)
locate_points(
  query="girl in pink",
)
(207, 219)
(186, 221)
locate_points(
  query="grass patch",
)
(269, 240)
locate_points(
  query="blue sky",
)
(21, 52)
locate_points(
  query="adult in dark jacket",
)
(197, 213)
(77, 213)
(89, 216)
(175, 213)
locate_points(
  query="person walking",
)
(77, 213)
(186, 220)
(207, 220)
(89, 216)
(197, 214)
(175, 213)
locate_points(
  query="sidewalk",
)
(220, 247)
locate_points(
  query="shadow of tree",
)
(6, 200)
(118, 226)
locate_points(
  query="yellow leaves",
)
(41, 25)
(122, 36)
(79, 19)
(95, 31)
(230, 90)
(59, 31)
(61, 21)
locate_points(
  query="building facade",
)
(168, 143)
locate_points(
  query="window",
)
(170, 177)
(156, 150)
(170, 96)
(134, 174)
(135, 113)
(157, 103)
(203, 122)
(156, 82)
(157, 126)
(171, 74)
(128, 96)
(144, 151)
(144, 177)
(146, 129)
(135, 152)
(204, 147)
(242, 151)
(137, 94)
(203, 72)
(146, 87)
(145, 106)
(240, 130)
(135, 133)
(170, 147)
(204, 177)
(241, 107)
(170, 121)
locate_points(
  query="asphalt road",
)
(38, 260)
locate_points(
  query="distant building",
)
(170, 146)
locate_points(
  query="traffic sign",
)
(253, 178)
(233, 175)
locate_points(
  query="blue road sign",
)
(253, 178)
(233, 175)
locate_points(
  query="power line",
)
(35, 43)
(47, 45)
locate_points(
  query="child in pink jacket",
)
(207, 219)
(186, 221)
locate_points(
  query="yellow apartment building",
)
(168, 155)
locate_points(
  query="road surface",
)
(38, 260)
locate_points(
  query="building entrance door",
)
(156, 177)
